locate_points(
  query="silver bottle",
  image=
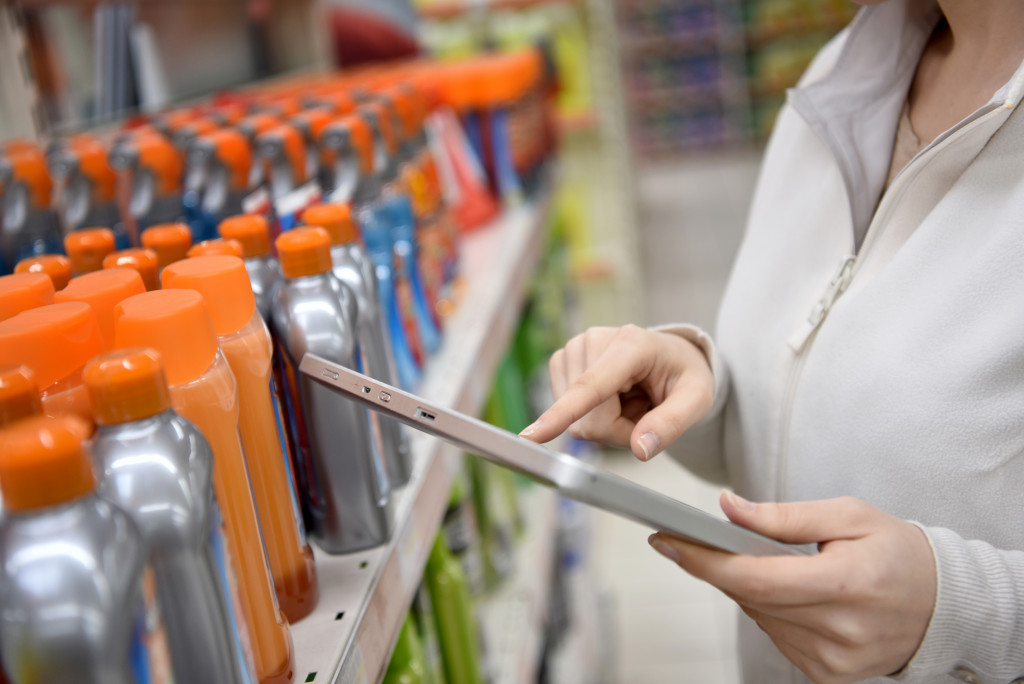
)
(346, 493)
(264, 274)
(159, 470)
(70, 593)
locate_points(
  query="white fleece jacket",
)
(903, 383)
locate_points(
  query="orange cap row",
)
(250, 231)
(55, 266)
(169, 241)
(23, 291)
(87, 248)
(335, 218)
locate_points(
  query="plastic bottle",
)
(72, 564)
(251, 231)
(55, 341)
(19, 394)
(203, 391)
(158, 468)
(352, 266)
(407, 663)
(169, 241)
(245, 342)
(426, 625)
(342, 478)
(87, 248)
(86, 184)
(219, 173)
(56, 266)
(24, 291)
(149, 165)
(397, 207)
(102, 291)
(462, 535)
(139, 259)
(216, 247)
(28, 225)
(453, 612)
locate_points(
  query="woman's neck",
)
(971, 54)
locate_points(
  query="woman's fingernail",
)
(530, 429)
(740, 503)
(649, 443)
(664, 548)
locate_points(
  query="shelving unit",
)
(365, 596)
(446, 9)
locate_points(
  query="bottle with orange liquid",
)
(342, 477)
(55, 342)
(19, 395)
(245, 342)
(158, 468)
(204, 392)
(102, 291)
(253, 233)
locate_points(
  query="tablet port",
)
(424, 415)
(366, 390)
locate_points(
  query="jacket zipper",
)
(802, 338)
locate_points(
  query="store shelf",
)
(514, 615)
(364, 597)
(449, 9)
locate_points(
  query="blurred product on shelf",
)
(169, 241)
(71, 607)
(203, 391)
(422, 612)
(216, 247)
(149, 169)
(19, 394)
(85, 185)
(24, 291)
(54, 266)
(245, 342)
(55, 341)
(86, 249)
(454, 616)
(219, 174)
(28, 224)
(408, 664)
(282, 154)
(462, 535)
(252, 233)
(103, 291)
(342, 476)
(158, 468)
(139, 259)
(352, 266)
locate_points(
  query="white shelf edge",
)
(372, 590)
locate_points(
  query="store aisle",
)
(669, 627)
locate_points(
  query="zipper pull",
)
(840, 281)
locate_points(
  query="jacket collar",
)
(855, 107)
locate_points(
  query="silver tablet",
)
(571, 477)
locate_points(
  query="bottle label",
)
(229, 587)
(150, 653)
(286, 454)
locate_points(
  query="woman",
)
(868, 366)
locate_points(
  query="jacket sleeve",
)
(701, 448)
(977, 627)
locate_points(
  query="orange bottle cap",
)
(19, 395)
(54, 340)
(218, 247)
(28, 166)
(126, 385)
(304, 251)
(158, 155)
(24, 291)
(250, 230)
(170, 241)
(386, 116)
(232, 149)
(173, 322)
(224, 284)
(44, 464)
(138, 259)
(56, 266)
(291, 145)
(93, 163)
(86, 248)
(335, 218)
(102, 290)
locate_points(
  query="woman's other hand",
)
(858, 609)
(628, 387)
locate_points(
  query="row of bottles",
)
(171, 460)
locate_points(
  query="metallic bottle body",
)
(264, 274)
(353, 267)
(160, 471)
(70, 593)
(346, 494)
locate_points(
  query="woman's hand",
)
(858, 609)
(628, 387)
